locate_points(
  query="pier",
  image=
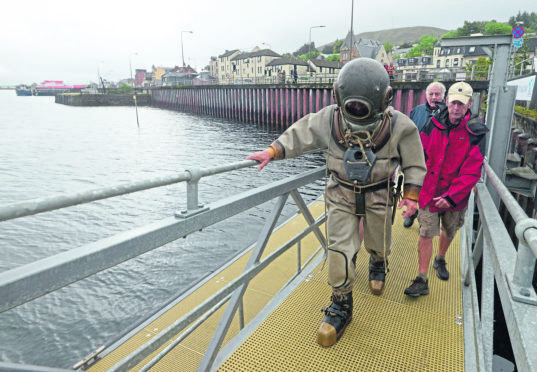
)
(279, 106)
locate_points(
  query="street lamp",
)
(309, 45)
(182, 53)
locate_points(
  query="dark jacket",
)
(453, 159)
(421, 114)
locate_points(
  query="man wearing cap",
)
(420, 115)
(450, 144)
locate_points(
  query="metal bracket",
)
(85, 363)
(522, 226)
(185, 213)
(521, 294)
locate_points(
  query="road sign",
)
(517, 32)
(517, 43)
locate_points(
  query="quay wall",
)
(103, 99)
(277, 105)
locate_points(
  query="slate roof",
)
(228, 53)
(325, 63)
(287, 61)
(259, 53)
(366, 47)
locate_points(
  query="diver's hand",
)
(263, 157)
(411, 207)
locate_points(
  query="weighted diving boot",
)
(377, 276)
(337, 316)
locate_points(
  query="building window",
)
(472, 49)
(455, 62)
(448, 51)
(447, 62)
(438, 63)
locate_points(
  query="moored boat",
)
(24, 90)
(53, 87)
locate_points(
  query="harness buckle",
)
(357, 189)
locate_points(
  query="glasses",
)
(357, 109)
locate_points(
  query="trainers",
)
(441, 271)
(419, 287)
(337, 316)
(409, 221)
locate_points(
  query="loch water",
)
(49, 149)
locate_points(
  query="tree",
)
(388, 46)
(337, 46)
(333, 57)
(425, 46)
(481, 68)
(125, 89)
(310, 55)
(529, 21)
(496, 28)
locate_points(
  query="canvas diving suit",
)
(397, 143)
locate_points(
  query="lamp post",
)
(309, 45)
(182, 53)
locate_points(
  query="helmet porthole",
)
(357, 109)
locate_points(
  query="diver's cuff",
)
(278, 149)
(411, 192)
(271, 151)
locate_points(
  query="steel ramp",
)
(392, 332)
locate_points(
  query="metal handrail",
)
(527, 227)
(509, 268)
(25, 283)
(35, 206)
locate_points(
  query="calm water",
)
(46, 149)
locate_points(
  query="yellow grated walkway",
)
(392, 332)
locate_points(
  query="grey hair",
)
(437, 84)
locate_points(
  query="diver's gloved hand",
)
(263, 157)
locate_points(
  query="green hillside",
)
(396, 36)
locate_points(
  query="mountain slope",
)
(396, 36)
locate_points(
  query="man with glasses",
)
(366, 141)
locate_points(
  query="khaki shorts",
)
(430, 222)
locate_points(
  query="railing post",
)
(521, 281)
(192, 203)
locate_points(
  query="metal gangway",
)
(484, 238)
(509, 266)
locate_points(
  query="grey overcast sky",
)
(74, 40)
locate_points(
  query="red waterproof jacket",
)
(453, 160)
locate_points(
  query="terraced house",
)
(251, 67)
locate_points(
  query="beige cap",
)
(460, 92)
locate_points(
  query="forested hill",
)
(396, 36)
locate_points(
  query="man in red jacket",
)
(450, 143)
